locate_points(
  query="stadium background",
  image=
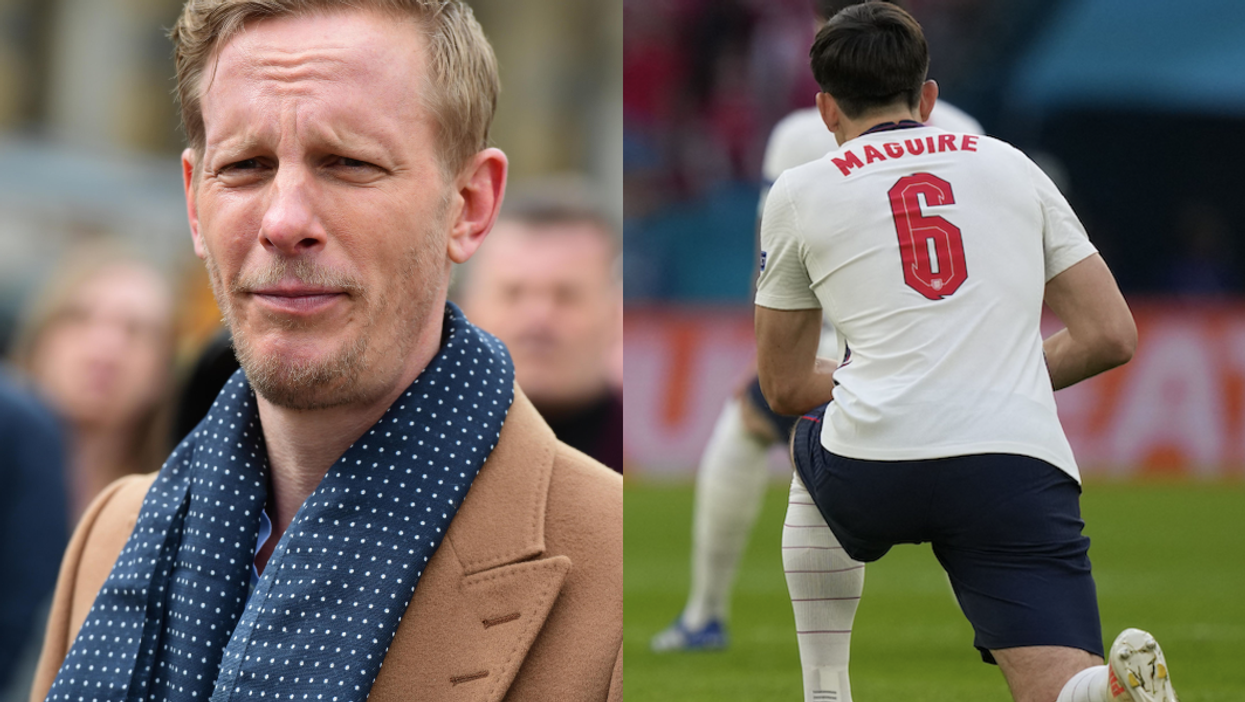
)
(1137, 109)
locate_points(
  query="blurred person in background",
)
(33, 528)
(97, 345)
(548, 285)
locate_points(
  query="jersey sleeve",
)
(1064, 241)
(783, 283)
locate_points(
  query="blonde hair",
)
(462, 86)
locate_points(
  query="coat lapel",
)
(487, 592)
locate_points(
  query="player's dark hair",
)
(870, 56)
(825, 9)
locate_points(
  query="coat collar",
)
(511, 492)
(489, 590)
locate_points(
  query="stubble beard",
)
(349, 374)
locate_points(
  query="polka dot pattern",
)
(173, 621)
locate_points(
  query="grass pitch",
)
(1169, 558)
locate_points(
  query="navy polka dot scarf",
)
(173, 620)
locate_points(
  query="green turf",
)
(1169, 558)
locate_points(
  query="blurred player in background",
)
(932, 253)
(548, 285)
(730, 483)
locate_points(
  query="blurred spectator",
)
(546, 282)
(97, 345)
(33, 529)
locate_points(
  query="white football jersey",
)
(929, 252)
(802, 136)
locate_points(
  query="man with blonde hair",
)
(372, 487)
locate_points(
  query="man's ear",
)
(192, 211)
(831, 113)
(929, 96)
(829, 110)
(480, 186)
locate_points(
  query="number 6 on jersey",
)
(932, 248)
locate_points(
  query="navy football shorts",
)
(1006, 528)
(781, 423)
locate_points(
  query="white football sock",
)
(730, 487)
(825, 586)
(1089, 685)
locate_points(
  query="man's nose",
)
(291, 226)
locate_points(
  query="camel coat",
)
(522, 601)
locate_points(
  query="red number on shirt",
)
(931, 247)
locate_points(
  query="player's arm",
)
(793, 379)
(1099, 334)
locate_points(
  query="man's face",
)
(551, 297)
(319, 205)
